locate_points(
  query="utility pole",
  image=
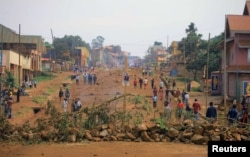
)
(19, 67)
(224, 68)
(53, 44)
(167, 41)
(125, 83)
(54, 61)
(1, 60)
(125, 86)
(184, 60)
(208, 47)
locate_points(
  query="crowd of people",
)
(7, 97)
(87, 76)
(6, 103)
(238, 116)
(165, 92)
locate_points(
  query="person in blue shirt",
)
(211, 113)
(232, 115)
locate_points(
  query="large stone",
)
(104, 126)
(72, 138)
(150, 125)
(215, 138)
(188, 122)
(172, 133)
(128, 128)
(44, 135)
(120, 135)
(95, 132)
(237, 136)
(198, 130)
(208, 126)
(74, 131)
(88, 135)
(198, 139)
(142, 127)
(104, 133)
(96, 139)
(113, 138)
(187, 135)
(146, 137)
(130, 136)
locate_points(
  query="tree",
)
(9, 80)
(64, 48)
(97, 42)
(215, 53)
(196, 51)
(194, 48)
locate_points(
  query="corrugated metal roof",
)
(9, 36)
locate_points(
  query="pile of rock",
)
(186, 132)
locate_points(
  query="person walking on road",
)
(65, 105)
(67, 94)
(18, 93)
(140, 82)
(211, 113)
(196, 108)
(60, 94)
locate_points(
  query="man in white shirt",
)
(186, 98)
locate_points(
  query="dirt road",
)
(108, 84)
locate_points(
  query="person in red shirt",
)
(196, 108)
(154, 91)
(135, 83)
(179, 109)
(177, 93)
(161, 93)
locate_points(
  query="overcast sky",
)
(133, 24)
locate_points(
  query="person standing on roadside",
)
(94, 79)
(177, 93)
(179, 109)
(65, 105)
(186, 98)
(167, 110)
(155, 91)
(232, 115)
(161, 84)
(211, 113)
(135, 82)
(140, 82)
(60, 94)
(85, 78)
(243, 101)
(145, 83)
(35, 83)
(196, 108)
(67, 94)
(77, 79)
(188, 112)
(10, 103)
(183, 96)
(161, 91)
(152, 83)
(18, 94)
(154, 101)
